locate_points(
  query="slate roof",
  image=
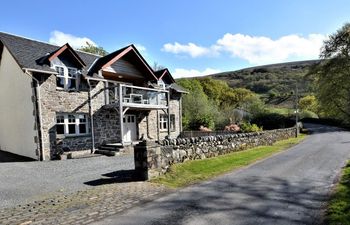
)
(165, 75)
(178, 88)
(29, 53)
(103, 60)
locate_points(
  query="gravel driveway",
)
(23, 181)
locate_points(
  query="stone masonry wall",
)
(153, 123)
(174, 108)
(159, 157)
(59, 101)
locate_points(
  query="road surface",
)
(289, 188)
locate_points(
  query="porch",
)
(131, 105)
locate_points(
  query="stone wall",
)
(148, 125)
(160, 156)
(106, 126)
(106, 121)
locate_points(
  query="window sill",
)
(72, 135)
(165, 131)
(67, 90)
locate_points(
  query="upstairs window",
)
(67, 78)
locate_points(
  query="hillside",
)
(275, 83)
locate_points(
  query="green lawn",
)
(282, 111)
(192, 172)
(339, 206)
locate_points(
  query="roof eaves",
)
(62, 49)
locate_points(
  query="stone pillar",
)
(147, 158)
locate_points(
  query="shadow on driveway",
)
(6, 157)
(121, 176)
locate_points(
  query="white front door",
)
(129, 128)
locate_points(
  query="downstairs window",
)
(72, 124)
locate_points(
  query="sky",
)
(189, 37)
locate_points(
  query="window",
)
(163, 122)
(60, 124)
(172, 122)
(60, 77)
(72, 124)
(67, 78)
(83, 124)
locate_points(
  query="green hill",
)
(276, 83)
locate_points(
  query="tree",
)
(333, 75)
(213, 103)
(197, 108)
(93, 49)
(156, 66)
(309, 102)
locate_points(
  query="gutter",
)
(39, 71)
(38, 100)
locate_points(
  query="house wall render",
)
(18, 132)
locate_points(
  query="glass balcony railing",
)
(143, 96)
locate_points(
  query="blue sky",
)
(191, 38)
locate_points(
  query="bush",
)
(327, 121)
(308, 114)
(202, 120)
(247, 127)
(270, 121)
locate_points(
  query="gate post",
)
(147, 158)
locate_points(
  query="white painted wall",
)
(16, 109)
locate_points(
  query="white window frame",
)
(67, 78)
(163, 122)
(172, 122)
(76, 122)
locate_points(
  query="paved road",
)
(24, 181)
(289, 188)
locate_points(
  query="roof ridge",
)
(47, 43)
(89, 53)
(30, 39)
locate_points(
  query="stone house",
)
(55, 99)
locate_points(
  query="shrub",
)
(247, 127)
(308, 114)
(272, 121)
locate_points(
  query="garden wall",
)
(153, 159)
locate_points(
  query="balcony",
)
(137, 97)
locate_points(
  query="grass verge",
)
(191, 172)
(338, 211)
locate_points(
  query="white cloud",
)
(263, 50)
(140, 47)
(256, 49)
(59, 38)
(191, 49)
(179, 73)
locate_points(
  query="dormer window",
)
(67, 78)
(161, 84)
